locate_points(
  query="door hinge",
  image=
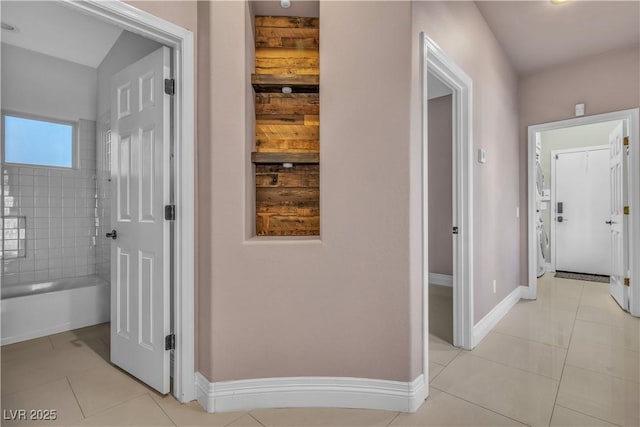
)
(626, 210)
(170, 86)
(627, 282)
(625, 140)
(455, 230)
(170, 342)
(170, 212)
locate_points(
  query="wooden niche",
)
(287, 105)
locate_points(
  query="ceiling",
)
(539, 34)
(298, 8)
(52, 29)
(435, 87)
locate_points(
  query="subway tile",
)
(24, 179)
(68, 271)
(41, 191)
(55, 273)
(43, 201)
(41, 264)
(10, 279)
(27, 277)
(26, 211)
(42, 253)
(41, 275)
(41, 212)
(26, 190)
(26, 171)
(41, 181)
(41, 223)
(10, 266)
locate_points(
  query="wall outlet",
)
(494, 286)
(579, 110)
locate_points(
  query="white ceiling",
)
(298, 8)
(55, 30)
(539, 34)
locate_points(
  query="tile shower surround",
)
(60, 206)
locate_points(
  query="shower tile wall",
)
(60, 209)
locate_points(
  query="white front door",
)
(618, 221)
(140, 264)
(582, 200)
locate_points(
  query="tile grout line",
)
(394, 418)
(587, 415)
(162, 409)
(564, 365)
(235, 419)
(257, 420)
(483, 407)
(515, 367)
(76, 397)
(535, 341)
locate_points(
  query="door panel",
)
(140, 183)
(582, 236)
(618, 159)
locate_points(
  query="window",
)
(38, 142)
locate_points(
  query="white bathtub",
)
(38, 309)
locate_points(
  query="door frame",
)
(436, 62)
(552, 207)
(633, 118)
(181, 42)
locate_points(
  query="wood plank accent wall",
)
(287, 125)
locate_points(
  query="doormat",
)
(582, 276)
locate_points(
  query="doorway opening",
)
(582, 189)
(74, 203)
(440, 203)
(451, 80)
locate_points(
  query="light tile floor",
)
(569, 358)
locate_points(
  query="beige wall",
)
(440, 181)
(459, 29)
(337, 306)
(604, 83)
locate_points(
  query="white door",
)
(582, 200)
(140, 275)
(618, 220)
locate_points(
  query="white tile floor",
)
(570, 358)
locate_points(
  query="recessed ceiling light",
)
(560, 1)
(8, 27)
(285, 4)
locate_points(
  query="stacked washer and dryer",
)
(542, 238)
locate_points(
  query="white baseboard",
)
(488, 322)
(441, 279)
(310, 392)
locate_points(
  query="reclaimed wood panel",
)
(285, 225)
(287, 22)
(287, 61)
(278, 176)
(287, 104)
(285, 157)
(287, 126)
(296, 38)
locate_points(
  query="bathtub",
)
(38, 309)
